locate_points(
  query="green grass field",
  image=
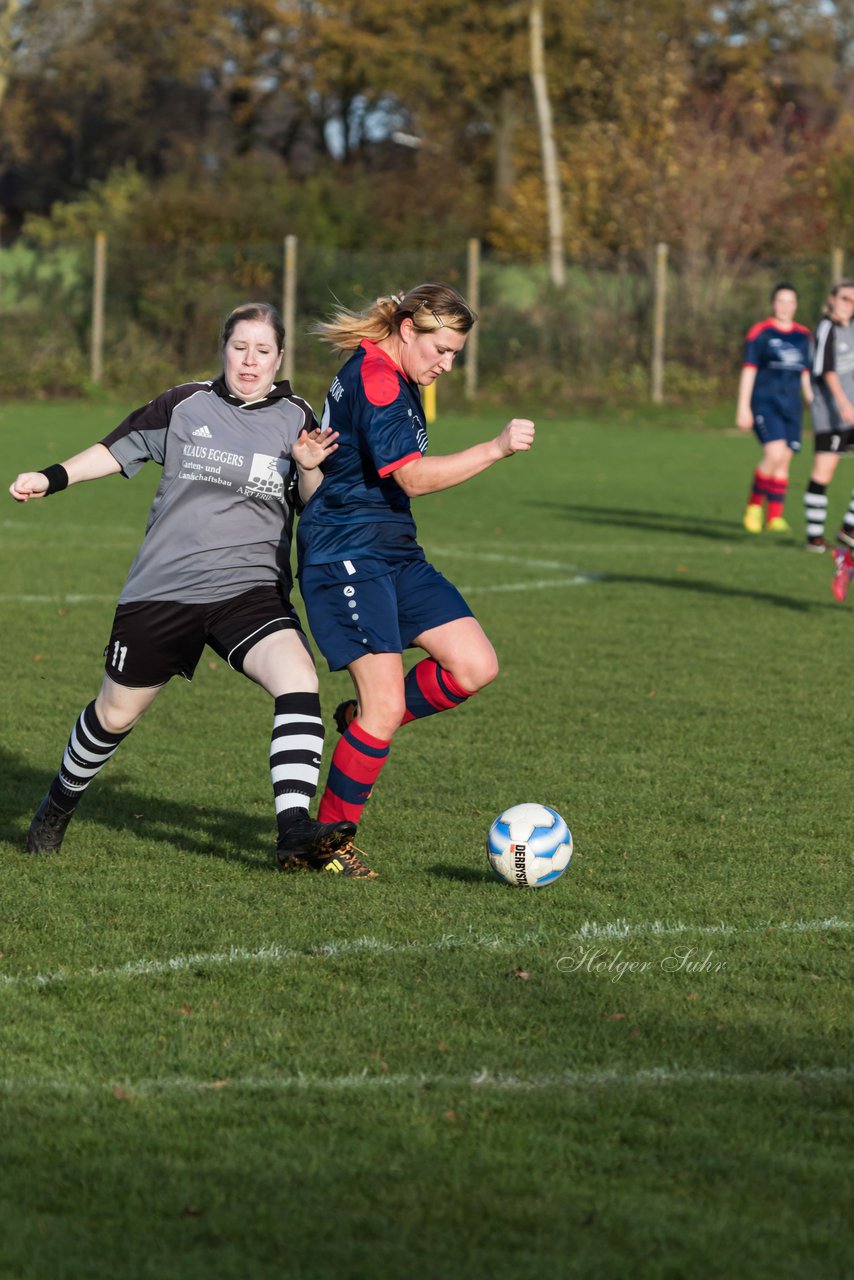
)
(214, 1071)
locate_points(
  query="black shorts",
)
(153, 640)
(841, 441)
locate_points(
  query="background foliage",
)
(197, 136)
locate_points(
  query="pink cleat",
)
(842, 573)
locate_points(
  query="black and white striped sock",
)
(89, 748)
(296, 749)
(815, 508)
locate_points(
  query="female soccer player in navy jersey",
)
(774, 378)
(214, 568)
(368, 589)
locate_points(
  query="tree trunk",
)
(551, 175)
(505, 139)
(8, 13)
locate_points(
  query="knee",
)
(115, 719)
(382, 716)
(477, 672)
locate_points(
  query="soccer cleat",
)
(346, 862)
(47, 828)
(842, 573)
(817, 545)
(752, 520)
(846, 536)
(308, 845)
(778, 525)
(344, 714)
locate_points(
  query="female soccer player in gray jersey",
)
(214, 568)
(832, 412)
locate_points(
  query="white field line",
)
(570, 574)
(274, 953)
(651, 1078)
(56, 599)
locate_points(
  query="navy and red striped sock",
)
(776, 490)
(758, 489)
(356, 764)
(429, 690)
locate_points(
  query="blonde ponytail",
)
(428, 306)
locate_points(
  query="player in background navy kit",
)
(774, 379)
(832, 412)
(368, 589)
(214, 568)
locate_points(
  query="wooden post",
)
(99, 288)
(473, 294)
(658, 324)
(289, 303)
(837, 265)
(429, 401)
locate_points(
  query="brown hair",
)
(254, 311)
(428, 306)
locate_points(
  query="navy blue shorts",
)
(356, 607)
(774, 422)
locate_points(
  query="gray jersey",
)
(222, 517)
(834, 353)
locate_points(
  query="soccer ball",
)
(529, 845)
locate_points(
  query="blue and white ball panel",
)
(529, 845)
(498, 838)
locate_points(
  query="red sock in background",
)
(759, 489)
(776, 497)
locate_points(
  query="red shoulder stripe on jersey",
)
(379, 376)
(771, 323)
(393, 466)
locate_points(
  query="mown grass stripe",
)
(274, 953)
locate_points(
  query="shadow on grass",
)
(700, 526)
(721, 589)
(464, 875)
(203, 829)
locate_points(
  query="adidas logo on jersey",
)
(204, 432)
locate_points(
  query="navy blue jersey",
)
(360, 511)
(779, 357)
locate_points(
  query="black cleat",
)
(346, 862)
(818, 545)
(47, 828)
(344, 714)
(308, 845)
